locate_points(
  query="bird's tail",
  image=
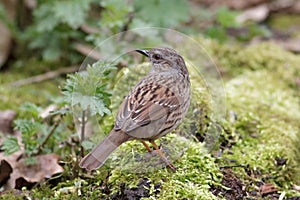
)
(97, 157)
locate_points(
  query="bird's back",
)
(155, 106)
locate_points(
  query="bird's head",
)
(165, 59)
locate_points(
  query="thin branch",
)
(46, 139)
(233, 166)
(88, 50)
(45, 76)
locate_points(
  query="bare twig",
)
(233, 166)
(39, 149)
(89, 29)
(46, 76)
(87, 50)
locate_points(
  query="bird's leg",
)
(164, 158)
(146, 145)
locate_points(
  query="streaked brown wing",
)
(143, 106)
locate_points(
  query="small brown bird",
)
(155, 106)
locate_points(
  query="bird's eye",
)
(156, 56)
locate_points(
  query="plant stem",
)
(82, 133)
(47, 138)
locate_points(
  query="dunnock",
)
(154, 107)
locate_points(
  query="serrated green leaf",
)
(27, 127)
(216, 32)
(88, 89)
(10, 146)
(71, 12)
(44, 14)
(115, 15)
(226, 18)
(31, 110)
(163, 13)
(51, 54)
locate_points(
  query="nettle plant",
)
(52, 30)
(35, 133)
(86, 94)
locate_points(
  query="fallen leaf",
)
(6, 120)
(26, 175)
(5, 171)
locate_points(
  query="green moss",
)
(268, 115)
(234, 60)
(12, 97)
(196, 173)
(285, 22)
(262, 92)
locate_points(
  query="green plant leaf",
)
(71, 12)
(10, 145)
(115, 15)
(27, 127)
(226, 18)
(44, 15)
(31, 110)
(88, 89)
(162, 12)
(216, 32)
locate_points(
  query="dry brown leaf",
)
(26, 175)
(6, 120)
(5, 171)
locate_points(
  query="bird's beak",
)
(144, 52)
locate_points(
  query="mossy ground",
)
(261, 129)
(40, 93)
